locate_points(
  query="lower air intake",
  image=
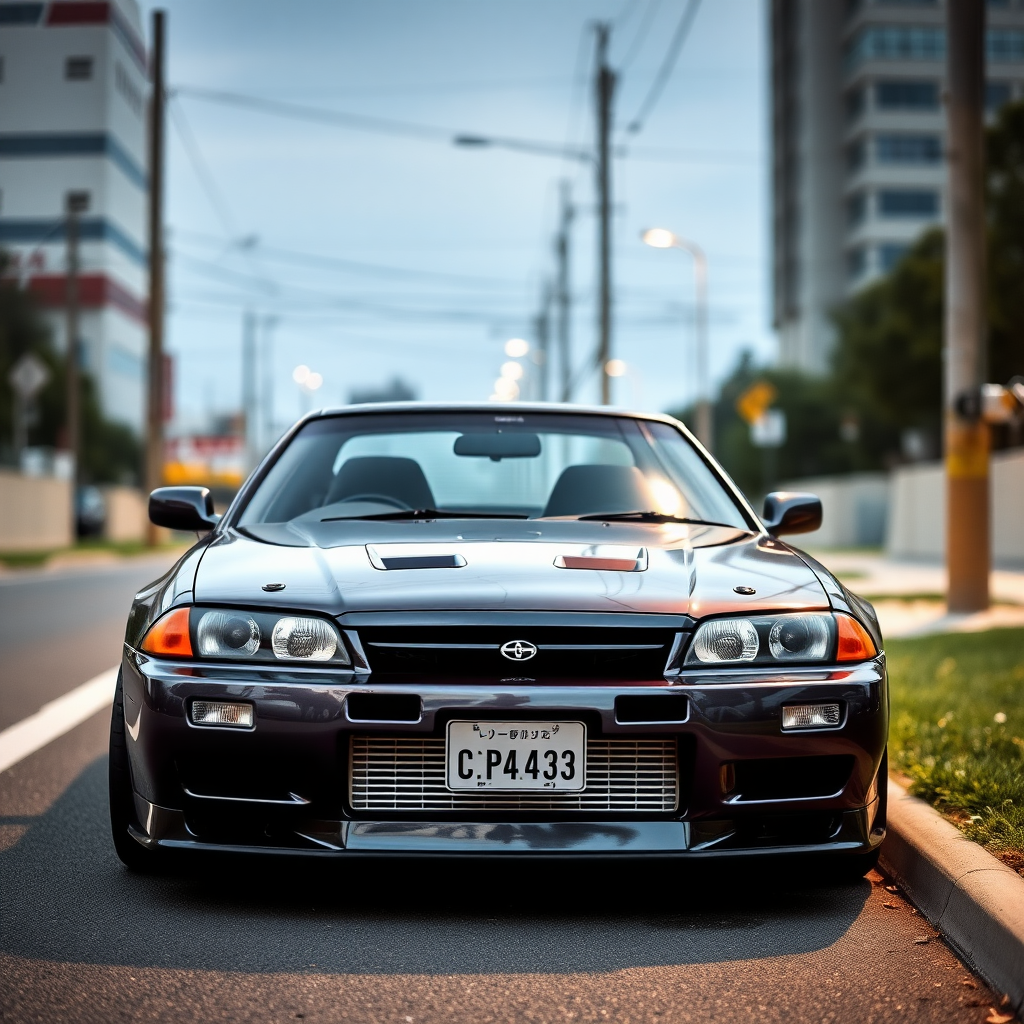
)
(407, 774)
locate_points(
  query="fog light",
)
(215, 712)
(810, 716)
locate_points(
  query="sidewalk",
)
(909, 596)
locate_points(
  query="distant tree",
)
(1005, 270)
(888, 358)
(110, 451)
(826, 432)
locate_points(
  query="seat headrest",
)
(587, 490)
(398, 478)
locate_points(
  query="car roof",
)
(508, 408)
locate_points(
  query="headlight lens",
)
(797, 637)
(726, 640)
(303, 639)
(246, 636)
(227, 634)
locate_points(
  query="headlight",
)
(227, 634)
(769, 639)
(245, 636)
(296, 639)
(726, 640)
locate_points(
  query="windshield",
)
(534, 465)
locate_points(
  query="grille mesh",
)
(407, 773)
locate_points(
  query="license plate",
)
(517, 756)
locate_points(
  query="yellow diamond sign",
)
(754, 402)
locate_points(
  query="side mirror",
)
(791, 512)
(183, 508)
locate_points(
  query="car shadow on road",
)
(65, 897)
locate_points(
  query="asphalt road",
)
(228, 940)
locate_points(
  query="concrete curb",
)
(975, 900)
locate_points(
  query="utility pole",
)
(249, 413)
(563, 291)
(72, 384)
(542, 329)
(604, 89)
(966, 436)
(269, 323)
(154, 469)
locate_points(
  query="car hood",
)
(519, 565)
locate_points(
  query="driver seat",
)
(398, 478)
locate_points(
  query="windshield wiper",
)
(425, 513)
(646, 516)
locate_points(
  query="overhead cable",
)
(641, 35)
(667, 66)
(358, 122)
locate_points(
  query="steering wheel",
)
(379, 499)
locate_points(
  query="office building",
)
(858, 141)
(73, 109)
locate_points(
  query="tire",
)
(858, 866)
(122, 803)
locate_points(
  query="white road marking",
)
(56, 718)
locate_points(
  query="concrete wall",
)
(127, 514)
(855, 510)
(917, 524)
(35, 512)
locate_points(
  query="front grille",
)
(407, 774)
(563, 652)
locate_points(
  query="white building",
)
(73, 106)
(858, 145)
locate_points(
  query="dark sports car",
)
(494, 630)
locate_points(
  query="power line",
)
(202, 172)
(665, 71)
(301, 112)
(431, 133)
(641, 34)
(297, 258)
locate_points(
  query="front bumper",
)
(283, 786)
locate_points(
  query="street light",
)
(662, 238)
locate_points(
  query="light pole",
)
(662, 238)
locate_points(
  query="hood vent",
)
(413, 556)
(610, 557)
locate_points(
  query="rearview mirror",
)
(498, 446)
(183, 508)
(791, 512)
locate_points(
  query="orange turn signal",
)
(169, 635)
(855, 643)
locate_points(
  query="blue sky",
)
(378, 255)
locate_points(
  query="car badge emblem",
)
(518, 650)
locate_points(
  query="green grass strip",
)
(957, 730)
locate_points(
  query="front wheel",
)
(122, 802)
(858, 866)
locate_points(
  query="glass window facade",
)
(905, 149)
(906, 94)
(1005, 44)
(897, 42)
(856, 208)
(889, 254)
(908, 202)
(917, 42)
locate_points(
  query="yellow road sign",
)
(754, 402)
